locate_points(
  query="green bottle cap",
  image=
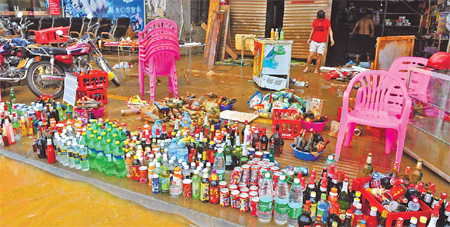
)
(323, 196)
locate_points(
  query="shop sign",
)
(54, 7)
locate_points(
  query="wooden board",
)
(390, 48)
(207, 51)
(214, 41)
(225, 31)
(231, 52)
(213, 7)
(238, 116)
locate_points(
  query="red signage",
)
(54, 8)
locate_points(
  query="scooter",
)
(46, 72)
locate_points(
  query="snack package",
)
(314, 103)
(255, 99)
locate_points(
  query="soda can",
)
(244, 190)
(234, 199)
(254, 188)
(274, 169)
(143, 174)
(276, 176)
(265, 155)
(250, 163)
(254, 175)
(233, 187)
(222, 184)
(243, 202)
(187, 188)
(270, 164)
(252, 194)
(254, 207)
(288, 168)
(260, 163)
(303, 170)
(266, 161)
(245, 174)
(395, 192)
(251, 152)
(241, 185)
(259, 154)
(256, 160)
(136, 173)
(155, 183)
(236, 175)
(224, 197)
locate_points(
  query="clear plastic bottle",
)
(76, 156)
(64, 158)
(84, 161)
(281, 201)
(183, 153)
(219, 164)
(265, 198)
(70, 155)
(295, 203)
(172, 148)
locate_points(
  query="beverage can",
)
(233, 187)
(274, 169)
(251, 152)
(224, 197)
(254, 206)
(254, 188)
(250, 163)
(256, 160)
(243, 202)
(259, 154)
(143, 174)
(288, 168)
(303, 170)
(244, 190)
(236, 175)
(395, 192)
(260, 163)
(252, 194)
(241, 185)
(187, 188)
(136, 176)
(234, 199)
(270, 164)
(155, 183)
(265, 155)
(254, 175)
(245, 173)
(222, 184)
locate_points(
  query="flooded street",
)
(32, 197)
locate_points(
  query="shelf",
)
(434, 127)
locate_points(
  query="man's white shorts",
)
(316, 47)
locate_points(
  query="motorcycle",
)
(13, 56)
(46, 72)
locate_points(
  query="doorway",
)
(274, 15)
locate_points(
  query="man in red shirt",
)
(318, 39)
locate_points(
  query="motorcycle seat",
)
(50, 50)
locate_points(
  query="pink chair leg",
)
(348, 139)
(340, 138)
(152, 86)
(400, 143)
(174, 78)
(391, 137)
(170, 84)
(141, 77)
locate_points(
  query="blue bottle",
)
(322, 208)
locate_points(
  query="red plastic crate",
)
(48, 35)
(98, 95)
(94, 80)
(368, 201)
(289, 129)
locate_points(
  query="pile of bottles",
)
(41, 117)
(276, 35)
(315, 143)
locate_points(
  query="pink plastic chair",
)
(418, 82)
(158, 51)
(381, 101)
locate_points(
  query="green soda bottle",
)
(100, 156)
(110, 169)
(92, 155)
(84, 162)
(84, 139)
(165, 180)
(60, 111)
(119, 162)
(108, 134)
(196, 186)
(69, 112)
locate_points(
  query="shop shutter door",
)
(297, 21)
(247, 17)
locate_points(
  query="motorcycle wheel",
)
(36, 84)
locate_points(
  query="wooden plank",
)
(207, 51)
(230, 52)
(213, 7)
(226, 26)
(204, 26)
(220, 36)
(214, 40)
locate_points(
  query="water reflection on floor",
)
(32, 197)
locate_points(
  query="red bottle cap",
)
(332, 169)
(431, 187)
(139, 128)
(346, 179)
(443, 196)
(300, 174)
(415, 199)
(335, 177)
(308, 203)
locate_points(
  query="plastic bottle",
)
(281, 201)
(204, 188)
(100, 159)
(76, 156)
(196, 185)
(282, 34)
(313, 199)
(219, 164)
(92, 155)
(172, 148)
(272, 34)
(183, 153)
(118, 160)
(295, 203)
(64, 159)
(322, 207)
(265, 198)
(51, 158)
(357, 214)
(70, 155)
(84, 161)
(372, 220)
(165, 180)
(110, 168)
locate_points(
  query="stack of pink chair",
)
(158, 51)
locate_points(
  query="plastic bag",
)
(255, 99)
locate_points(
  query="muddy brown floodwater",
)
(32, 197)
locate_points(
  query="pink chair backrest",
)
(158, 26)
(418, 83)
(162, 60)
(157, 40)
(160, 46)
(380, 94)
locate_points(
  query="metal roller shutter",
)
(297, 21)
(247, 17)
